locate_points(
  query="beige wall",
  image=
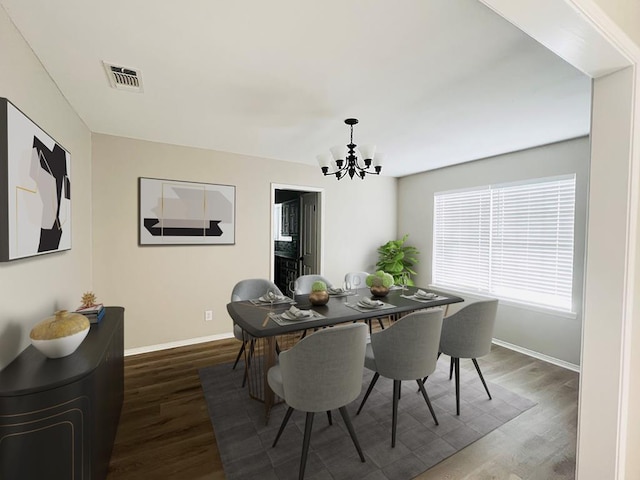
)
(626, 14)
(165, 289)
(543, 332)
(34, 288)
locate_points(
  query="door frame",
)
(583, 34)
(298, 188)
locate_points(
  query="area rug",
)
(244, 440)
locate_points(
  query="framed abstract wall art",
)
(35, 188)
(187, 213)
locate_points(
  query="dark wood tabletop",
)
(255, 321)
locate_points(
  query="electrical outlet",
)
(208, 315)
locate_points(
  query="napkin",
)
(423, 294)
(335, 290)
(370, 302)
(270, 296)
(295, 312)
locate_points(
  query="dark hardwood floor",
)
(165, 432)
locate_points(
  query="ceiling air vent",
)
(124, 78)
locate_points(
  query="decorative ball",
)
(61, 334)
(318, 286)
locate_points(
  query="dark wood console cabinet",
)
(58, 417)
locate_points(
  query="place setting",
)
(272, 298)
(367, 304)
(294, 315)
(340, 291)
(422, 296)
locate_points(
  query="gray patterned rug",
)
(244, 441)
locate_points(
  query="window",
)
(511, 241)
(277, 225)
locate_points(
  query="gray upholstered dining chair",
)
(246, 290)
(322, 372)
(358, 279)
(468, 334)
(304, 282)
(407, 350)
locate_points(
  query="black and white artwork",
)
(35, 184)
(177, 212)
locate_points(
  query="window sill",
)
(509, 302)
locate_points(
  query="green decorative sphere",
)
(380, 279)
(319, 286)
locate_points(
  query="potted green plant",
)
(319, 294)
(397, 259)
(379, 283)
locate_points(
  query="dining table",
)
(270, 326)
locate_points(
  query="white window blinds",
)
(510, 241)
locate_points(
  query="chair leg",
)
(456, 366)
(381, 324)
(282, 425)
(451, 369)
(475, 362)
(426, 399)
(437, 358)
(329, 417)
(366, 395)
(308, 424)
(352, 432)
(239, 355)
(394, 418)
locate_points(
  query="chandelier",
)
(349, 160)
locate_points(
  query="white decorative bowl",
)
(60, 335)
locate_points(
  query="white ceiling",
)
(433, 82)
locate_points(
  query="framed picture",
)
(176, 212)
(35, 188)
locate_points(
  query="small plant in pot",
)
(319, 294)
(379, 283)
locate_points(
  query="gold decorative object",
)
(88, 299)
(319, 297)
(379, 291)
(61, 334)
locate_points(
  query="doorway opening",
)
(296, 243)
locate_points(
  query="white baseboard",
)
(179, 343)
(538, 355)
